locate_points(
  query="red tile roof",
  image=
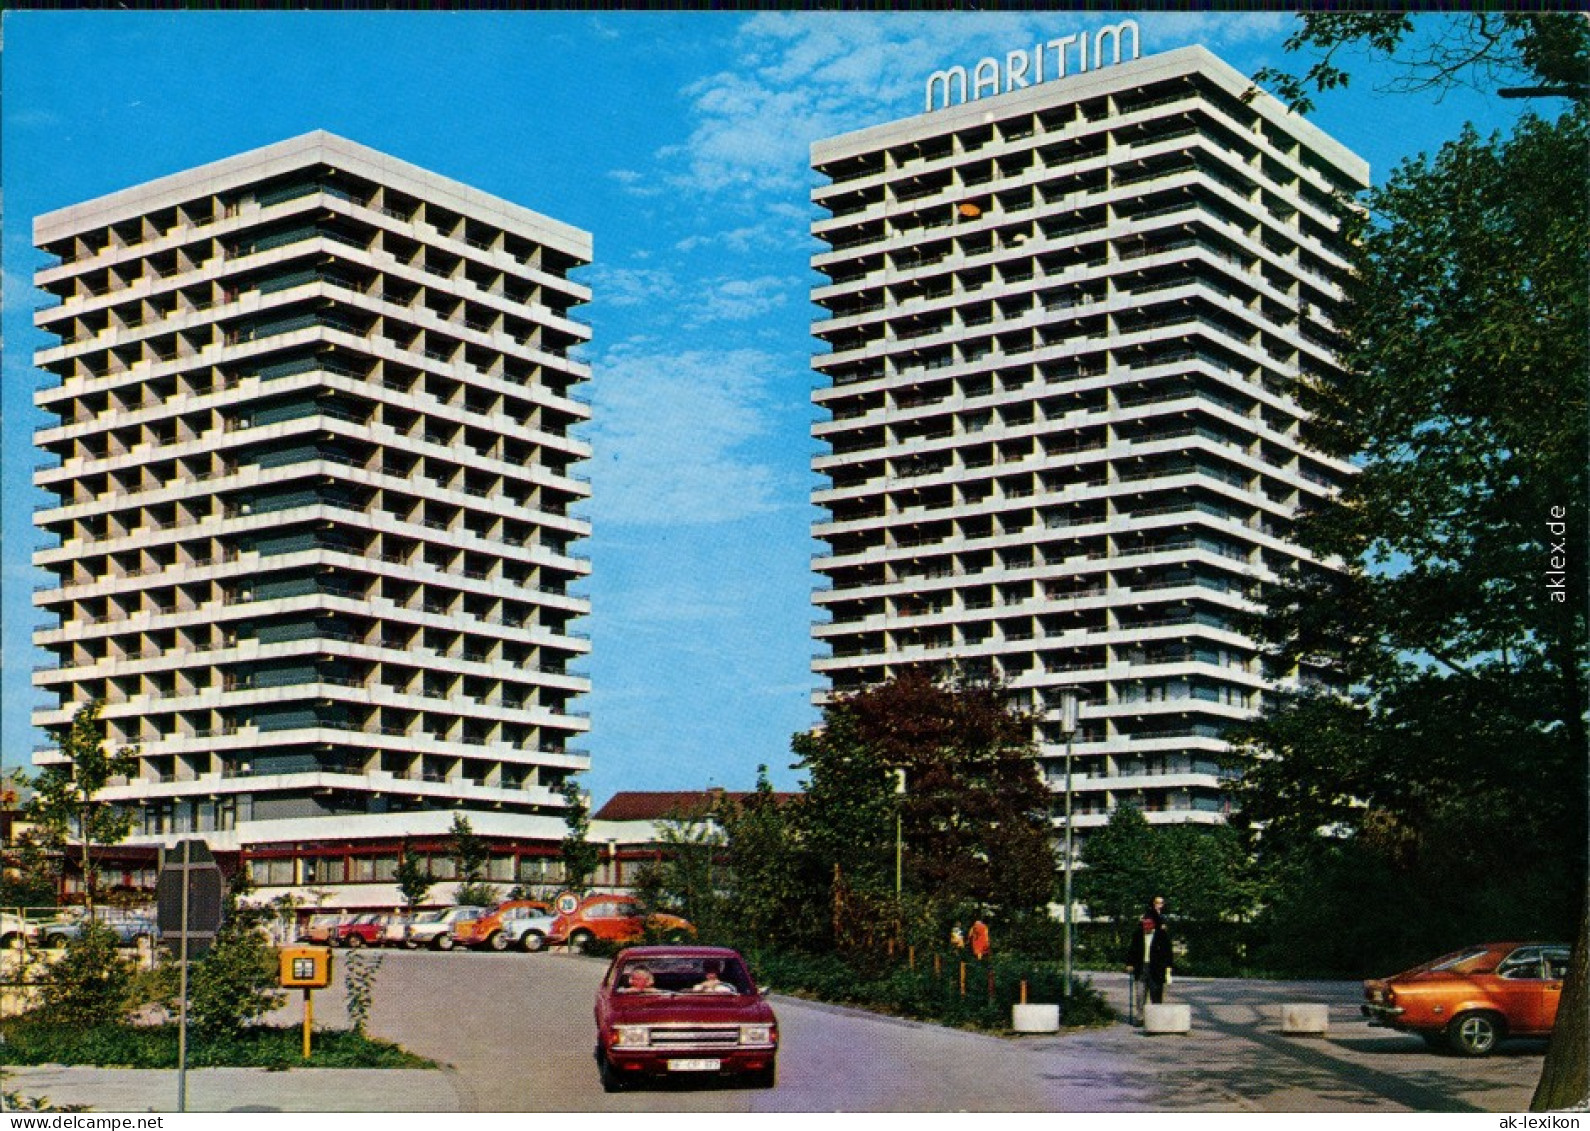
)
(637, 806)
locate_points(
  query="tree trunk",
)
(88, 877)
(1565, 1077)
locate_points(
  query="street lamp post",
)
(1070, 705)
(899, 838)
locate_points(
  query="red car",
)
(361, 930)
(1471, 999)
(683, 1011)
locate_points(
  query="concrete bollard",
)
(1035, 1018)
(1167, 1018)
(1311, 1018)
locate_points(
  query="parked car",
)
(14, 929)
(488, 930)
(1473, 998)
(683, 1011)
(368, 929)
(130, 928)
(396, 931)
(435, 928)
(617, 919)
(321, 927)
(528, 933)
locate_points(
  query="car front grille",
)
(695, 1036)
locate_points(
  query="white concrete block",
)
(1167, 1018)
(1305, 1017)
(1034, 1018)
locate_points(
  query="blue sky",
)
(680, 140)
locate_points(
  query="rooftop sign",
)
(1044, 62)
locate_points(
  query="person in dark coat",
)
(1149, 958)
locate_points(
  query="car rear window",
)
(1471, 961)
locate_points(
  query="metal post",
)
(1070, 705)
(182, 1008)
(899, 856)
(1066, 991)
(899, 834)
(309, 1018)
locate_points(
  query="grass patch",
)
(33, 1041)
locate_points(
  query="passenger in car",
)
(638, 980)
(711, 984)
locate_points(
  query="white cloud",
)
(748, 238)
(739, 300)
(671, 433)
(637, 184)
(806, 76)
(630, 286)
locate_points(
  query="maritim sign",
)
(1044, 62)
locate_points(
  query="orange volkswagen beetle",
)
(1470, 999)
(611, 918)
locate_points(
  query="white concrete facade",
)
(1066, 327)
(316, 497)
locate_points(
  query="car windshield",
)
(428, 917)
(682, 974)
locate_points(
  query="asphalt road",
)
(516, 1032)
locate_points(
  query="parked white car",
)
(397, 929)
(527, 932)
(435, 928)
(15, 929)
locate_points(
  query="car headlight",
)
(756, 1034)
(631, 1036)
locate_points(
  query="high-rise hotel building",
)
(316, 509)
(1066, 323)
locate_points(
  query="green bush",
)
(91, 983)
(927, 994)
(33, 1040)
(233, 985)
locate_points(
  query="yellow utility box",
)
(306, 967)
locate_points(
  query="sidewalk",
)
(242, 1089)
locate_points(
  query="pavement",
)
(240, 1089)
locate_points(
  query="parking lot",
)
(469, 1009)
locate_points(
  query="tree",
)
(580, 856)
(1565, 1076)
(684, 877)
(472, 854)
(1462, 727)
(413, 878)
(1459, 625)
(763, 896)
(67, 801)
(1201, 870)
(974, 817)
(1482, 49)
(1118, 876)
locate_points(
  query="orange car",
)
(487, 930)
(612, 918)
(1470, 999)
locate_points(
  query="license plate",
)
(694, 1065)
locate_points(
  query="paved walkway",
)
(240, 1089)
